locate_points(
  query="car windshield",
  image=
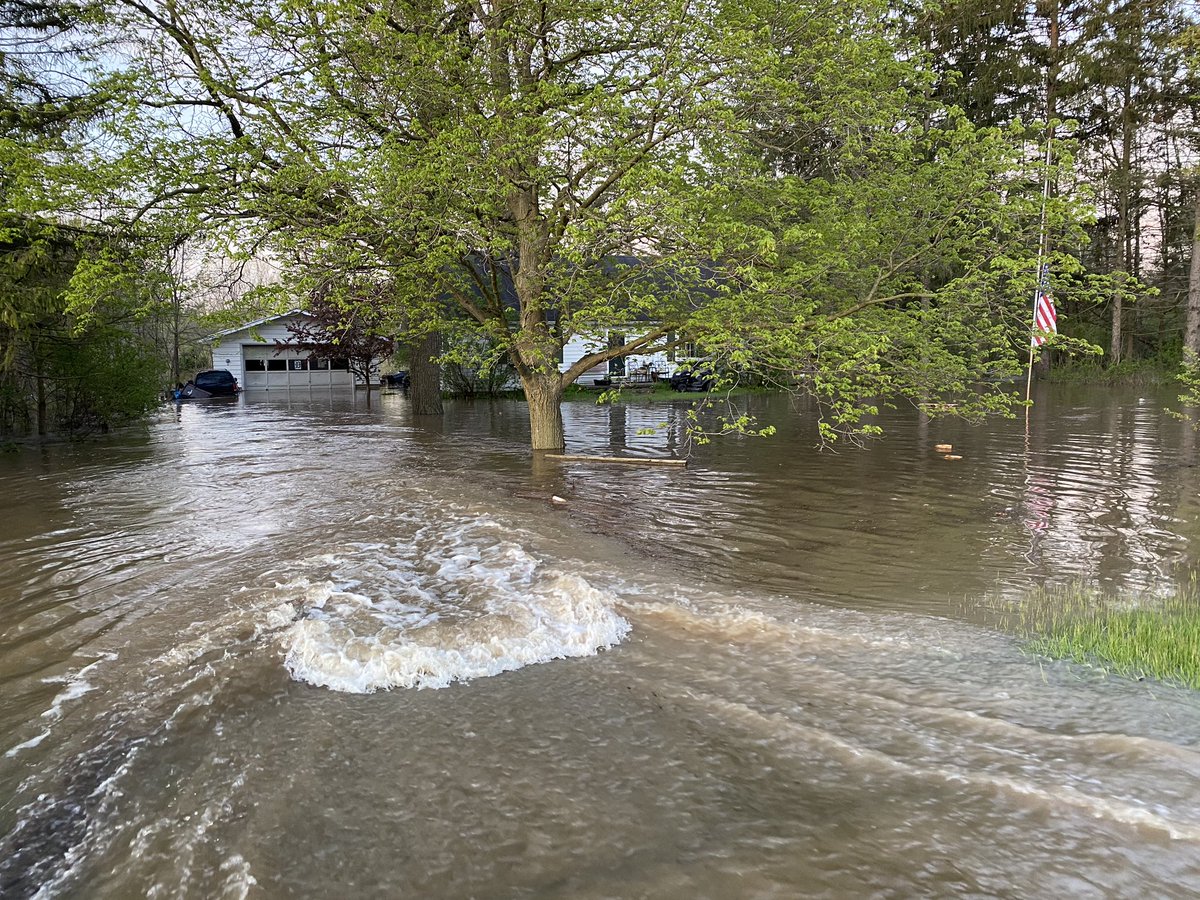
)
(213, 378)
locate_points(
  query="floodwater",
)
(295, 647)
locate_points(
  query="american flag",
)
(1045, 320)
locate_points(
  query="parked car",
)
(397, 380)
(213, 383)
(694, 376)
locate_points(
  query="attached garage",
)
(258, 356)
(268, 367)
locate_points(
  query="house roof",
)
(257, 322)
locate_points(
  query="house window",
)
(276, 365)
(317, 365)
(616, 366)
(297, 365)
(256, 365)
(671, 350)
(689, 351)
(340, 365)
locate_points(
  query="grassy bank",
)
(1138, 373)
(1152, 639)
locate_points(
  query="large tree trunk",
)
(1191, 330)
(534, 355)
(425, 376)
(544, 393)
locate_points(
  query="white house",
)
(635, 367)
(251, 354)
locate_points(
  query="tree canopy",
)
(794, 182)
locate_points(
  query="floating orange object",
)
(951, 456)
(943, 448)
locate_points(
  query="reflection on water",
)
(1091, 491)
(769, 674)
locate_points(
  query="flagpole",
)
(1043, 248)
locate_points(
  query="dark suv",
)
(694, 376)
(216, 383)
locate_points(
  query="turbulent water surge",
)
(454, 600)
(293, 647)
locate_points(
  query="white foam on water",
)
(76, 686)
(27, 745)
(238, 879)
(265, 613)
(457, 602)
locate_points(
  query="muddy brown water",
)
(291, 647)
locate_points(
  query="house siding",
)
(228, 351)
(580, 346)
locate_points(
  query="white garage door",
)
(268, 368)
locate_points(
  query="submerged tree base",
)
(1156, 639)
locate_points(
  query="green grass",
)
(1138, 373)
(1151, 639)
(588, 392)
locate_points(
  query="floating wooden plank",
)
(627, 460)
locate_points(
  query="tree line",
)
(845, 199)
(1119, 80)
